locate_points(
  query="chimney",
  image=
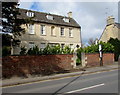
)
(110, 20)
(69, 14)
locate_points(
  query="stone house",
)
(48, 29)
(112, 30)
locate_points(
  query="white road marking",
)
(86, 88)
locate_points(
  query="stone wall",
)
(92, 59)
(44, 64)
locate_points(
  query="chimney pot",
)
(69, 14)
(110, 20)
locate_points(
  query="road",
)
(103, 82)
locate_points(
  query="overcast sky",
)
(91, 16)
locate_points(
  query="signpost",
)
(100, 51)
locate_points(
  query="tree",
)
(91, 41)
(11, 24)
(116, 43)
(106, 48)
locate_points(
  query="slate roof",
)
(41, 17)
(117, 24)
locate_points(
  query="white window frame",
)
(50, 17)
(62, 31)
(30, 14)
(71, 46)
(31, 44)
(42, 45)
(66, 20)
(31, 29)
(70, 32)
(43, 32)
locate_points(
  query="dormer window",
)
(66, 20)
(49, 17)
(30, 14)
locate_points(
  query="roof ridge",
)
(41, 17)
(45, 13)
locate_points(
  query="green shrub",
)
(106, 48)
(6, 50)
(78, 61)
(116, 44)
(67, 50)
(55, 49)
(23, 51)
(47, 50)
(33, 51)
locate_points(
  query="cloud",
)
(91, 16)
(25, 5)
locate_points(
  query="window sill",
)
(70, 36)
(31, 34)
(53, 35)
(62, 36)
(43, 34)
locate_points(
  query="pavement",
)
(17, 80)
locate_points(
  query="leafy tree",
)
(6, 40)
(116, 43)
(91, 41)
(107, 47)
(11, 24)
(6, 44)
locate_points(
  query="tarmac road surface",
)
(103, 82)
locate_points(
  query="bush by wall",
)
(6, 50)
(106, 48)
(47, 50)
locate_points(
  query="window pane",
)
(66, 20)
(62, 45)
(30, 14)
(43, 30)
(31, 29)
(42, 45)
(62, 31)
(70, 32)
(31, 44)
(49, 17)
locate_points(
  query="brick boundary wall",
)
(92, 59)
(43, 64)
